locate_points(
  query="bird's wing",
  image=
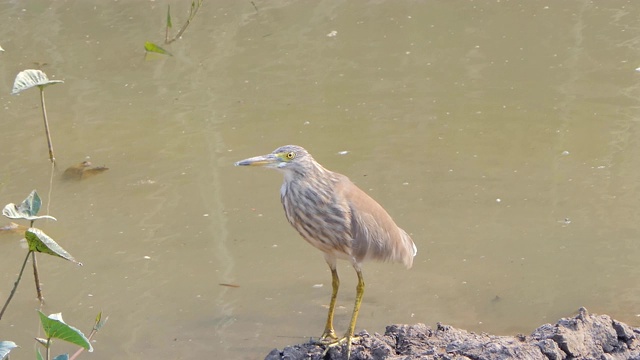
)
(375, 235)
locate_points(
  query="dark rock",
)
(583, 337)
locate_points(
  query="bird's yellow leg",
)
(329, 335)
(349, 337)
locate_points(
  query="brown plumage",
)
(339, 219)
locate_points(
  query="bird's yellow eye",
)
(291, 155)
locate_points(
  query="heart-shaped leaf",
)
(13, 212)
(31, 205)
(27, 209)
(29, 78)
(40, 242)
(55, 327)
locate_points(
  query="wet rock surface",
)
(584, 336)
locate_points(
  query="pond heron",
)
(339, 219)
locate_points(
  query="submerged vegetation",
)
(154, 48)
(195, 6)
(39, 242)
(27, 213)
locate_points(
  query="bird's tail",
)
(409, 249)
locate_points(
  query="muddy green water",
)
(503, 135)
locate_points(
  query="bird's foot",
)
(328, 337)
(347, 339)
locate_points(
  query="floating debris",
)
(565, 221)
(14, 228)
(82, 170)
(143, 182)
(229, 285)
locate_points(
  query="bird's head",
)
(285, 158)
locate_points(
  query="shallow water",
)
(503, 136)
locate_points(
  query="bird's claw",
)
(328, 337)
(339, 342)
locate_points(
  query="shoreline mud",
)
(584, 336)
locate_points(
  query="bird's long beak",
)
(269, 160)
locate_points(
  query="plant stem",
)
(46, 125)
(37, 277)
(166, 31)
(15, 285)
(79, 351)
(53, 167)
(195, 6)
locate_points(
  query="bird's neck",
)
(312, 171)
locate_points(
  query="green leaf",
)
(151, 47)
(40, 242)
(169, 25)
(31, 205)
(27, 209)
(100, 321)
(62, 357)
(5, 348)
(27, 79)
(55, 328)
(13, 212)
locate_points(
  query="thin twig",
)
(15, 285)
(46, 125)
(95, 329)
(37, 277)
(53, 166)
(79, 351)
(192, 14)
